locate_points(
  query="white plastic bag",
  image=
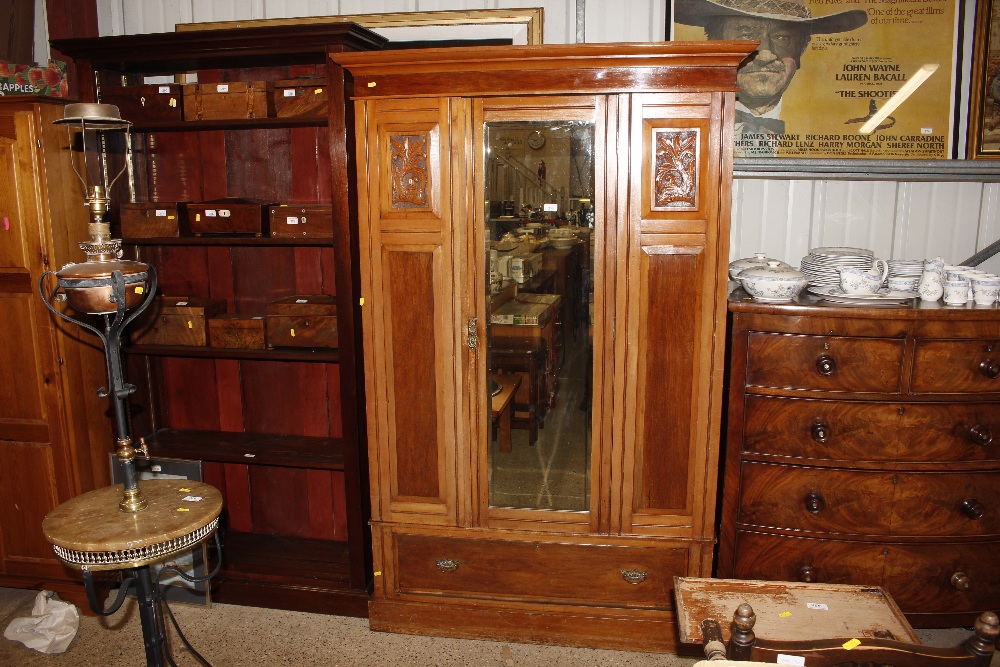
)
(52, 625)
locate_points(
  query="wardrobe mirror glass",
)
(539, 192)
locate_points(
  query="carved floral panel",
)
(675, 168)
(410, 172)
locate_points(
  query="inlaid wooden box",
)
(234, 330)
(224, 101)
(313, 221)
(301, 97)
(143, 220)
(147, 102)
(302, 321)
(230, 215)
(177, 320)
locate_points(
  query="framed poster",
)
(984, 94)
(826, 69)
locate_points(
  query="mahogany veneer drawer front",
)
(871, 430)
(934, 578)
(860, 450)
(878, 502)
(958, 366)
(830, 363)
(546, 571)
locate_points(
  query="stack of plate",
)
(822, 265)
(910, 269)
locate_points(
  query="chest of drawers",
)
(863, 447)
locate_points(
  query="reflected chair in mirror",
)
(526, 357)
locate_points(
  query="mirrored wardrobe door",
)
(540, 199)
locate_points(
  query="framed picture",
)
(984, 93)
(867, 79)
(497, 26)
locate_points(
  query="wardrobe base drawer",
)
(538, 571)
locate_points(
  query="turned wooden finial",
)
(743, 638)
(987, 628)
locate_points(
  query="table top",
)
(91, 531)
(790, 611)
(508, 385)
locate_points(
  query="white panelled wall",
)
(780, 216)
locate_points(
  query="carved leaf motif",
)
(675, 183)
(408, 155)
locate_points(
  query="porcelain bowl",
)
(759, 259)
(777, 282)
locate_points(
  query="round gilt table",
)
(91, 533)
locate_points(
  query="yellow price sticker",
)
(183, 490)
(183, 509)
(785, 614)
(851, 643)
(139, 289)
(292, 332)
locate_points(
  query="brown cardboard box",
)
(305, 97)
(230, 215)
(143, 220)
(226, 101)
(147, 102)
(177, 320)
(311, 221)
(302, 321)
(233, 330)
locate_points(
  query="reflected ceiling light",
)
(900, 97)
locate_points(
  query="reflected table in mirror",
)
(501, 409)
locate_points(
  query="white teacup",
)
(956, 292)
(858, 281)
(985, 289)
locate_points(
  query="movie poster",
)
(825, 67)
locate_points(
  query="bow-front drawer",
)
(871, 430)
(956, 366)
(821, 500)
(956, 504)
(921, 578)
(538, 571)
(824, 363)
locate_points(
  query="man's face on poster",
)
(763, 80)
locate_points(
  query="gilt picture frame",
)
(983, 141)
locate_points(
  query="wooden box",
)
(311, 221)
(230, 215)
(305, 97)
(232, 330)
(302, 321)
(147, 102)
(224, 101)
(143, 220)
(177, 320)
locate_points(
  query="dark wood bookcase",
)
(280, 432)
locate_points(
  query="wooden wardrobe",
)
(452, 556)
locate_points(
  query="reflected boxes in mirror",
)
(143, 220)
(296, 221)
(302, 321)
(236, 331)
(177, 320)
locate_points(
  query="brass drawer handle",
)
(973, 509)
(815, 503)
(807, 574)
(634, 577)
(981, 435)
(826, 365)
(820, 432)
(961, 582)
(990, 368)
(446, 564)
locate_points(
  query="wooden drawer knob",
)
(981, 435)
(807, 574)
(826, 365)
(960, 582)
(814, 503)
(446, 564)
(820, 432)
(990, 368)
(973, 509)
